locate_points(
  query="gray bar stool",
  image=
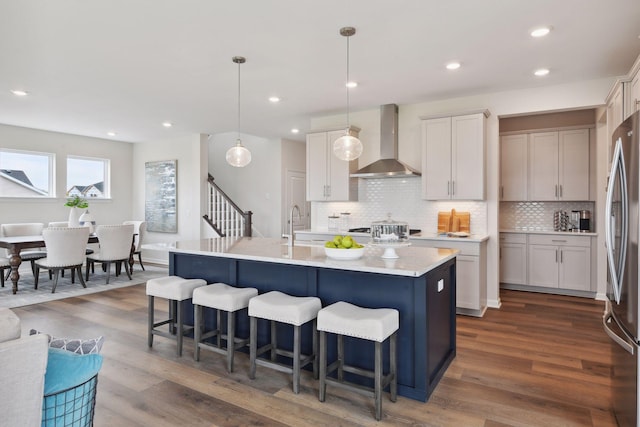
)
(373, 324)
(279, 307)
(220, 297)
(175, 289)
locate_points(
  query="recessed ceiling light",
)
(294, 130)
(351, 85)
(167, 124)
(111, 133)
(453, 65)
(541, 72)
(540, 32)
(18, 92)
(274, 99)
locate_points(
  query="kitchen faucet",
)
(291, 235)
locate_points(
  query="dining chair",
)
(25, 229)
(65, 249)
(4, 265)
(115, 246)
(66, 224)
(139, 230)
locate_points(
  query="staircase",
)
(223, 215)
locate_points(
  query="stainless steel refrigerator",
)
(622, 234)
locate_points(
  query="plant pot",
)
(74, 216)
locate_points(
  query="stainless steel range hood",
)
(388, 166)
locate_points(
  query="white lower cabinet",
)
(513, 258)
(471, 273)
(562, 262)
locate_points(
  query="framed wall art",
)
(160, 196)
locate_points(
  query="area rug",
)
(27, 295)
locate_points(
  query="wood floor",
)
(541, 360)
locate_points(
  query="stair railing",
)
(223, 215)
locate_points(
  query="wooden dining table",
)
(17, 243)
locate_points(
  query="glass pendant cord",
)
(347, 147)
(238, 61)
(347, 84)
(238, 155)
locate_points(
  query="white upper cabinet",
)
(453, 157)
(559, 165)
(573, 173)
(327, 176)
(634, 94)
(514, 167)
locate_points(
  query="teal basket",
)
(73, 407)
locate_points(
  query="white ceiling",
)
(126, 66)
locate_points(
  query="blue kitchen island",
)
(420, 284)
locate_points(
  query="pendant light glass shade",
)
(347, 147)
(238, 156)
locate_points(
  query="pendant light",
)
(347, 147)
(238, 155)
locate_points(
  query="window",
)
(87, 177)
(26, 174)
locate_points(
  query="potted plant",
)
(77, 205)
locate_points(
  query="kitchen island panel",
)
(424, 313)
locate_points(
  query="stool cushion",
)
(374, 324)
(173, 287)
(223, 297)
(284, 308)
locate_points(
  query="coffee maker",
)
(585, 221)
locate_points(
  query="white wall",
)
(561, 97)
(111, 211)
(190, 151)
(294, 159)
(255, 187)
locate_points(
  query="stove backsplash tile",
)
(402, 198)
(538, 216)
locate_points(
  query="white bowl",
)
(352, 253)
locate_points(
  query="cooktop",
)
(368, 230)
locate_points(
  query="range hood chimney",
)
(388, 166)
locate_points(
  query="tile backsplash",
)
(400, 197)
(537, 216)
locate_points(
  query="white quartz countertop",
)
(566, 233)
(412, 261)
(365, 237)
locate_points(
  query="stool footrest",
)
(275, 365)
(237, 344)
(366, 391)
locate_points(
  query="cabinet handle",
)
(448, 188)
(559, 241)
(502, 191)
(556, 191)
(453, 188)
(328, 190)
(556, 256)
(560, 190)
(560, 256)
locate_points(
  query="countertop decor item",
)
(335, 253)
(389, 231)
(238, 156)
(453, 222)
(347, 147)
